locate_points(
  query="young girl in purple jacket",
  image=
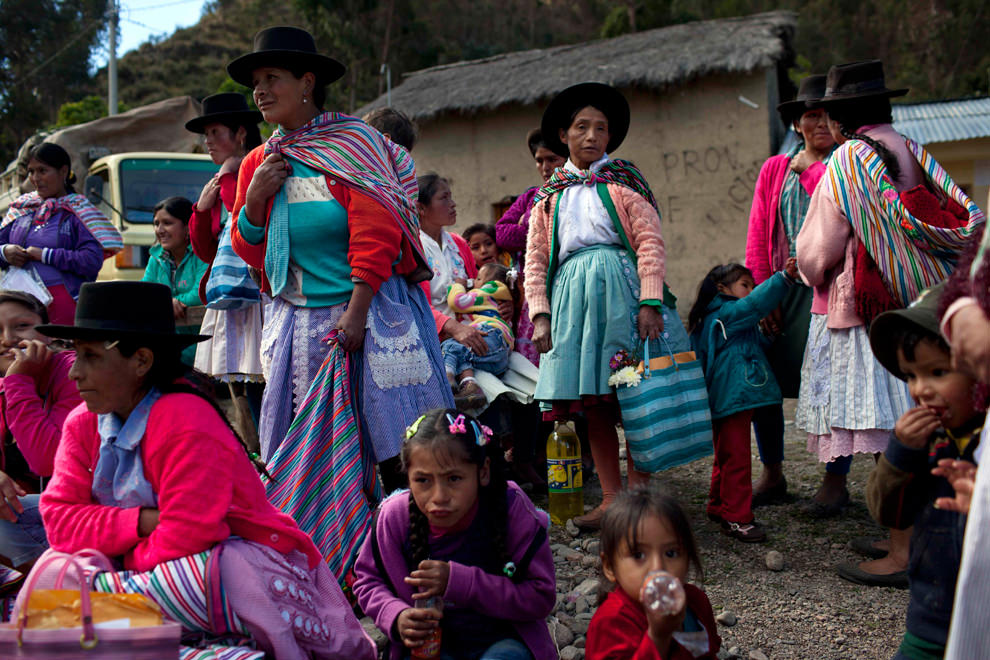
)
(467, 541)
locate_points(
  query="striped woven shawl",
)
(910, 254)
(621, 172)
(97, 223)
(362, 158)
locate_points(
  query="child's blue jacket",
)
(729, 345)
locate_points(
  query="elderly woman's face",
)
(279, 94)
(108, 382)
(587, 136)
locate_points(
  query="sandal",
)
(751, 532)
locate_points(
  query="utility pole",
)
(112, 63)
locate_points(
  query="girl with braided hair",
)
(463, 534)
(885, 223)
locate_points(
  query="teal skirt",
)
(594, 302)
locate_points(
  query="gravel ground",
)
(803, 611)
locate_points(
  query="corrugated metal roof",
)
(944, 121)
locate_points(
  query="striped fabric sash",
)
(618, 171)
(362, 158)
(97, 223)
(911, 254)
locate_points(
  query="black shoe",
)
(864, 546)
(751, 532)
(776, 494)
(856, 575)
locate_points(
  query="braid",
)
(494, 497)
(419, 534)
(184, 388)
(888, 158)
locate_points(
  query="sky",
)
(142, 19)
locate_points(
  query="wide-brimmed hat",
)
(599, 95)
(810, 92)
(121, 309)
(287, 48)
(857, 80)
(922, 313)
(228, 107)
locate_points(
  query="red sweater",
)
(375, 239)
(618, 631)
(207, 491)
(33, 411)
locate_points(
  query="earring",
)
(305, 100)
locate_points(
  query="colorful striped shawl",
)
(97, 223)
(911, 254)
(351, 151)
(621, 172)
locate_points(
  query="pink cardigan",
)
(641, 225)
(766, 242)
(33, 412)
(207, 491)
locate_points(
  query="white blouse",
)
(582, 219)
(447, 264)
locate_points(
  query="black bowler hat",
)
(121, 309)
(287, 48)
(810, 92)
(857, 80)
(220, 108)
(598, 95)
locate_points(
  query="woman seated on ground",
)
(36, 395)
(174, 264)
(151, 472)
(56, 232)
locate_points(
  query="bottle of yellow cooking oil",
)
(564, 477)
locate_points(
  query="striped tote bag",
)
(229, 284)
(665, 417)
(323, 472)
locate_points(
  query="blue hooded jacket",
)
(729, 345)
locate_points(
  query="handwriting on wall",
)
(723, 179)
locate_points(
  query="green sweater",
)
(183, 280)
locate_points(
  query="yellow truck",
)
(126, 187)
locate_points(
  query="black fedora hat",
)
(289, 48)
(121, 309)
(225, 107)
(810, 92)
(598, 95)
(857, 80)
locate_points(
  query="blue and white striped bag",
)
(230, 285)
(666, 417)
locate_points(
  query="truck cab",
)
(127, 186)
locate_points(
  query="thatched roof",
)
(654, 59)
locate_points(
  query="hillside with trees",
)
(938, 48)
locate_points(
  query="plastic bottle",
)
(430, 648)
(564, 476)
(662, 593)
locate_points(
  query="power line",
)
(79, 35)
(169, 4)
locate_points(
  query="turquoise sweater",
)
(729, 345)
(183, 280)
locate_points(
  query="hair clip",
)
(482, 434)
(414, 427)
(511, 277)
(109, 345)
(509, 569)
(456, 424)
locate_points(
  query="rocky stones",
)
(562, 635)
(757, 654)
(571, 653)
(726, 618)
(775, 561)
(571, 528)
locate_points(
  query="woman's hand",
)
(416, 624)
(961, 475)
(147, 521)
(34, 253)
(265, 182)
(802, 160)
(430, 579)
(970, 331)
(10, 505)
(650, 322)
(209, 195)
(350, 329)
(541, 334)
(916, 426)
(15, 255)
(507, 310)
(468, 335)
(178, 309)
(792, 270)
(30, 357)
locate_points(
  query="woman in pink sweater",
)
(885, 223)
(780, 203)
(150, 472)
(594, 272)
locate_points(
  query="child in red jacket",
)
(644, 532)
